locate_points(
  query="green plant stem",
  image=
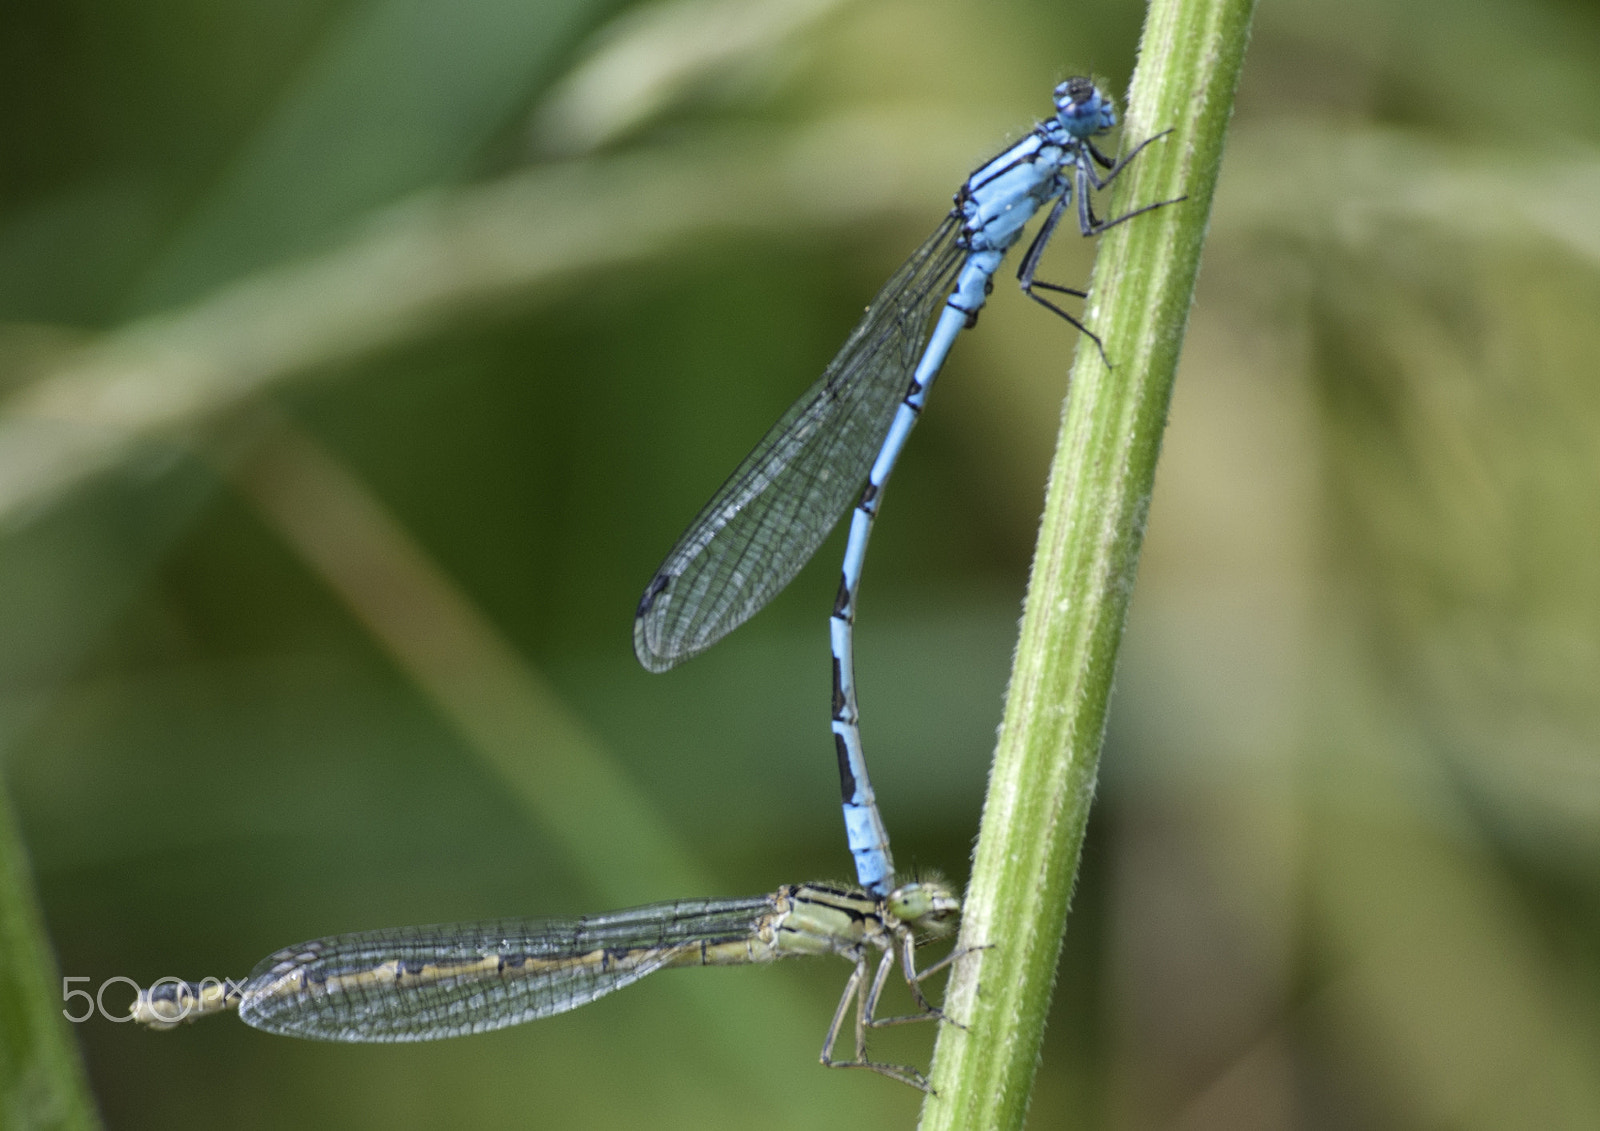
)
(1046, 761)
(42, 1083)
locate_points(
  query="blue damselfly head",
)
(1084, 108)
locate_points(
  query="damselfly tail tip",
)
(171, 1002)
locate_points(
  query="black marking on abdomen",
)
(847, 778)
(168, 991)
(972, 315)
(841, 599)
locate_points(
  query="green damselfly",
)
(425, 983)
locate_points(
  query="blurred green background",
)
(360, 361)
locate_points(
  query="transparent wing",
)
(767, 520)
(423, 983)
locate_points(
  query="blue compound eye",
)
(1083, 108)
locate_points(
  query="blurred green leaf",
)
(402, 94)
(42, 1082)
